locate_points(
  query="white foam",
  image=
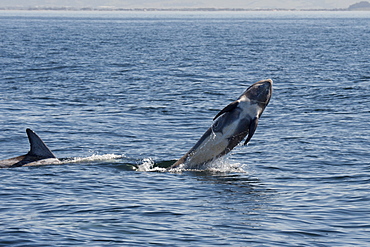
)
(220, 165)
(148, 166)
(94, 157)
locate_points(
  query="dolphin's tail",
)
(37, 147)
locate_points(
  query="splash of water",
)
(148, 165)
(94, 157)
(220, 165)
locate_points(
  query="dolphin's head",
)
(259, 93)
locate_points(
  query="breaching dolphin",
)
(39, 154)
(230, 126)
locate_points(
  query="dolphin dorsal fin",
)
(37, 146)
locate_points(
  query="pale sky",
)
(296, 4)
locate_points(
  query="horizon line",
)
(112, 8)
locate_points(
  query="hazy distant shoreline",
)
(157, 9)
(359, 6)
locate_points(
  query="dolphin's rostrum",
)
(231, 125)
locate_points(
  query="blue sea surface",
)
(113, 90)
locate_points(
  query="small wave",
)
(94, 157)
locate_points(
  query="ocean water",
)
(113, 90)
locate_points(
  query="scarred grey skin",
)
(232, 124)
(39, 154)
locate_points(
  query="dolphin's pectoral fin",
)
(228, 108)
(252, 129)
